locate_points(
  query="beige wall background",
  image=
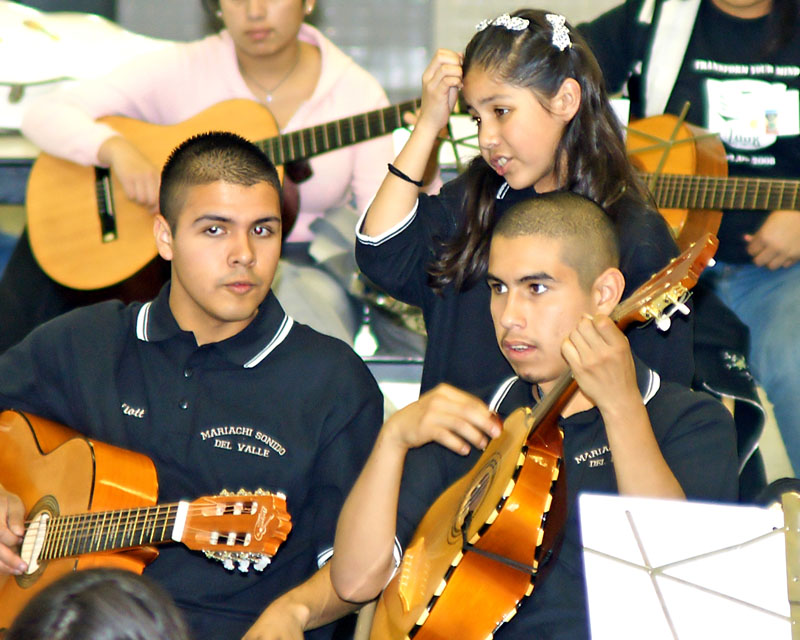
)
(455, 20)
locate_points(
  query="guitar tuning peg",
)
(262, 563)
(228, 564)
(682, 308)
(244, 565)
(711, 262)
(663, 323)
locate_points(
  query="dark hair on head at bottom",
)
(212, 157)
(100, 604)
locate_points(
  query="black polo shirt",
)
(277, 406)
(696, 436)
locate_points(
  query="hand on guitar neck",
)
(140, 178)
(600, 358)
(12, 516)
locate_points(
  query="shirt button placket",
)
(188, 387)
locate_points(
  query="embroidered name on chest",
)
(134, 412)
(595, 457)
(217, 436)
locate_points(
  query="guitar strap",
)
(668, 44)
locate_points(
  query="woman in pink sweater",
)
(264, 52)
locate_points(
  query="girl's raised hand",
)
(441, 83)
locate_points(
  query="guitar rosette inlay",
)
(474, 496)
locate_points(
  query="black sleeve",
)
(698, 442)
(352, 422)
(618, 40)
(33, 373)
(398, 261)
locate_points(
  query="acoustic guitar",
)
(86, 234)
(90, 504)
(477, 551)
(686, 169)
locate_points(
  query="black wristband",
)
(396, 172)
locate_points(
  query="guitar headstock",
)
(667, 291)
(240, 528)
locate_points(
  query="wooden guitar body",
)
(89, 504)
(68, 473)
(508, 488)
(65, 225)
(665, 145)
(86, 234)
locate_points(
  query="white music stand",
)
(685, 570)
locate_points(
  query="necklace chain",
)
(268, 92)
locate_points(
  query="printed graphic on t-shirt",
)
(751, 114)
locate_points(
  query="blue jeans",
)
(7, 243)
(768, 302)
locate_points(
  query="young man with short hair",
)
(219, 387)
(554, 281)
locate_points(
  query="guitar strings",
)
(292, 145)
(64, 538)
(103, 522)
(728, 190)
(193, 508)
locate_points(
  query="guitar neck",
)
(677, 191)
(74, 535)
(554, 401)
(333, 135)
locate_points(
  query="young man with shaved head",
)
(219, 387)
(554, 281)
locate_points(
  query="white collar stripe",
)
(653, 385)
(141, 322)
(280, 336)
(389, 233)
(322, 558)
(501, 393)
(502, 191)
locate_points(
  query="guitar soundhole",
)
(474, 497)
(45, 508)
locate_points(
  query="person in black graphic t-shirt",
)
(738, 63)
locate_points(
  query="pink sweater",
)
(173, 84)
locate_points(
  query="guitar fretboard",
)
(676, 191)
(69, 536)
(332, 135)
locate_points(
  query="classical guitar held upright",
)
(86, 234)
(89, 504)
